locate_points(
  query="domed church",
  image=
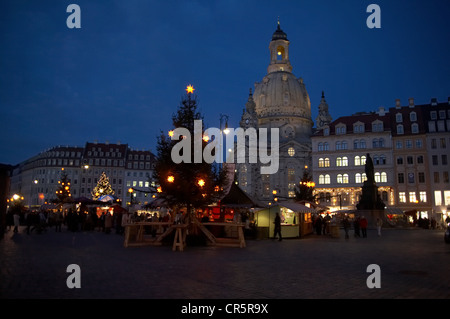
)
(281, 101)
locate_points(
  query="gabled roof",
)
(236, 197)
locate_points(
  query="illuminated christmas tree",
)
(194, 184)
(63, 192)
(103, 187)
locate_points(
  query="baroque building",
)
(280, 100)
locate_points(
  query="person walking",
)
(346, 225)
(277, 229)
(363, 224)
(379, 224)
(16, 218)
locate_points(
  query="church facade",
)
(280, 100)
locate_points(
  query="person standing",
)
(277, 229)
(108, 222)
(356, 227)
(363, 224)
(379, 224)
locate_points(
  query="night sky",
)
(123, 74)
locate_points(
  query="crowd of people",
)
(321, 225)
(73, 220)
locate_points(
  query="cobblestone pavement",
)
(413, 263)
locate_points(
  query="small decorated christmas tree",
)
(63, 192)
(103, 187)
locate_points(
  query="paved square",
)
(414, 264)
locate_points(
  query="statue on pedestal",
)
(370, 199)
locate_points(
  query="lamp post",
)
(130, 190)
(224, 124)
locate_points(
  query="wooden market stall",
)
(295, 220)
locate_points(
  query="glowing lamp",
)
(170, 179)
(201, 182)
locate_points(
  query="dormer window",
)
(340, 129)
(413, 116)
(398, 118)
(377, 126)
(358, 127)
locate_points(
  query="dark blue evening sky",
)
(122, 75)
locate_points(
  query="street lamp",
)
(222, 118)
(130, 190)
(201, 182)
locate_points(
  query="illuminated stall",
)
(296, 220)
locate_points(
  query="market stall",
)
(295, 220)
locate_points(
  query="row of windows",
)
(106, 154)
(63, 154)
(357, 144)
(410, 160)
(359, 178)
(414, 128)
(437, 179)
(412, 197)
(408, 144)
(359, 127)
(358, 161)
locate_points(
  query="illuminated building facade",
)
(36, 179)
(339, 154)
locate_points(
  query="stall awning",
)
(296, 207)
(393, 210)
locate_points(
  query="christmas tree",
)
(63, 192)
(184, 184)
(103, 187)
(305, 189)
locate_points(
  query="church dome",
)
(281, 94)
(280, 98)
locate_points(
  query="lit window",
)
(357, 161)
(321, 162)
(363, 160)
(339, 179)
(345, 179)
(412, 197)
(321, 179)
(327, 179)
(358, 179)
(344, 161)
(423, 197)
(377, 177)
(291, 151)
(402, 197)
(383, 177)
(326, 162)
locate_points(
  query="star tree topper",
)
(190, 89)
